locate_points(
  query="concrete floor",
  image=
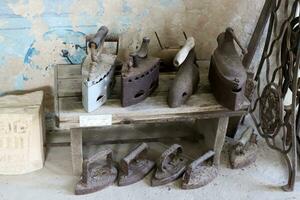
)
(56, 182)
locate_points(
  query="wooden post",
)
(214, 132)
(76, 150)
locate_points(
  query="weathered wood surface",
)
(153, 109)
(214, 133)
(76, 151)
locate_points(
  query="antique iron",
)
(198, 173)
(276, 120)
(98, 173)
(140, 76)
(97, 72)
(247, 60)
(135, 166)
(227, 74)
(244, 152)
(170, 166)
(187, 78)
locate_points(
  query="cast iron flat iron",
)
(187, 78)
(244, 152)
(98, 172)
(170, 167)
(198, 173)
(97, 72)
(135, 166)
(227, 74)
(140, 76)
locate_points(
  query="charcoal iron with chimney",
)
(140, 75)
(97, 72)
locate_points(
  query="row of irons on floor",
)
(99, 171)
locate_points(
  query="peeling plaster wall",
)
(34, 32)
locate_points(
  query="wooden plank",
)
(69, 71)
(76, 151)
(220, 139)
(132, 132)
(214, 133)
(153, 109)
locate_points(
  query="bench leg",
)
(76, 151)
(214, 132)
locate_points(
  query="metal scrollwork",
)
(276, 96)
(270, 109)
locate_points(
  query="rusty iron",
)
(200, 172)
(170, 166)
(187, 78)
(135, 166)
(140, 76)
(251, 50)
(97, 71)
(98, 173)
(244, 152)
(227, 74)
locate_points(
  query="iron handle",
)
(231, 31)
(174, 151)
(138, 153)
(200, 160)
(184, 51)
(98, 38)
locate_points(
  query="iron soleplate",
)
(102, 179)
(200, 177)
(138, 173)
(240, 160)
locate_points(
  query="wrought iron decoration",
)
(275, 119)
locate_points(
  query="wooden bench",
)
(201, 107)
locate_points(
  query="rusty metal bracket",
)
(170, 167)
(140, 76)
(198, 173)
(135, 166)
(98, 173)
